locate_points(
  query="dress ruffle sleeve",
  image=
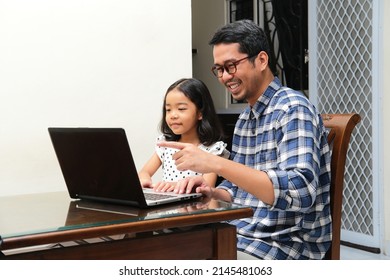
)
(218, 148)
(160, 150)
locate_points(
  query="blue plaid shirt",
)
(283, 135)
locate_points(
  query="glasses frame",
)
(225, 66)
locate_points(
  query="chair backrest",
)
(340, 128)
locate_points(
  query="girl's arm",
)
(146, 173)
(211, 179)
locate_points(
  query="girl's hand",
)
(146, 183)
(164, 186)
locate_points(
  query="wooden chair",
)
(340, 129)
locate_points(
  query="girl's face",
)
(182, 116)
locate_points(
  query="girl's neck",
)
(192, 139)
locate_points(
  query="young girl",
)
(189, 116)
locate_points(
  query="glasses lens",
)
(217, 71)
(230, 67)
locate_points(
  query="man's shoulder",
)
(286, 95)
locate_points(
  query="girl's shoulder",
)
(218, 148)
(160, 150)
(160, 138)
(163, 150)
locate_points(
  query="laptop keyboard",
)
(156, 196)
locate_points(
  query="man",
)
(280, 161)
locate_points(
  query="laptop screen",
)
(97, 164)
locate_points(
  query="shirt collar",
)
(263, 101)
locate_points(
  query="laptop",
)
(97, 164)
(83, 207)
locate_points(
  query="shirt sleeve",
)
(296, 180)
(229, 187)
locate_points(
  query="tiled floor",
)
(348, 253)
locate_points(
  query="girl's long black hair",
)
(209, 127)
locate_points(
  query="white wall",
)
(207, 16)
(83, 63)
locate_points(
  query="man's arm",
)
(253, 181)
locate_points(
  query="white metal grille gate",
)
(343, 57)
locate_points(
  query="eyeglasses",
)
(230, 67)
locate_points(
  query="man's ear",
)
(262, 59)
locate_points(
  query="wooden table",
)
(41, 226)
